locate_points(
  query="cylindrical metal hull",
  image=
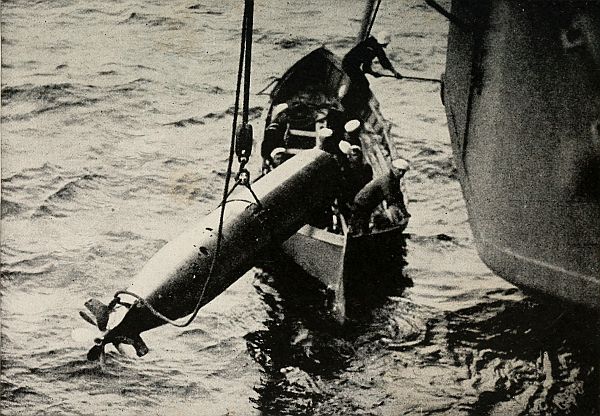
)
(173, 278)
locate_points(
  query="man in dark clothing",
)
(386, 189)
(357, 63)
(356, 173)
(274, 137)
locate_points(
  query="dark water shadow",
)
(303, 349)
(546, 352)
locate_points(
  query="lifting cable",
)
(241, 145)
(448, 15)
(373, 16)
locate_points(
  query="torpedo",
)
(185, 275)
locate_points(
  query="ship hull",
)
(522, 96)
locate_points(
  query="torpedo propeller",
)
(98, 316)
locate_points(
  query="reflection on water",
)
(302, 349)
(501, 357)
(543, 355)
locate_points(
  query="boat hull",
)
(352, 269)
(349, 267)
(522, 104)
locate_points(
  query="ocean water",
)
(116, 118)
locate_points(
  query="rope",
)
(273, 81)
(448, 15)
(243, 60)
(247, 36)
(414, 78)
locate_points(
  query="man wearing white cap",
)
(358, 61)
(355, 174)
(274, 137)
(385, 188)
(352, 132)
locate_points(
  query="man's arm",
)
(385, 62)
(367, 69)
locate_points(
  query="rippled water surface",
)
(116, 118)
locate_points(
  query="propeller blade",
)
(140, 346)
(100, 311)
(87, 318)
(95, 353)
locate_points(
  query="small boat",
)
(345, 264)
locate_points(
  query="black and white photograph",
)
(300, 207)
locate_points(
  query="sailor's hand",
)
(398, 75)
(394, 214)
(267, 166)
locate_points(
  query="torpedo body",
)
(173, 280)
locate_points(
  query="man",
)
(274, 138)
(357, 63)
(386, 189)
(352, 132)
(356, 173)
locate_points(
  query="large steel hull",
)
(522, 96)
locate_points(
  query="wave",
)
(442, 240)
(214, 89)
(11, 208)
(12, 392)
(136, 84)
(201, 9)
(39, 99)
(192, 332)
(185, 122)
(47, 211)
(18, 192)
(443, 169)
(74, 369)
(89, 11)
(68, 195)
(253, 113)
(432, 163)
(69, 190)
(18, 267)
(161, 21)
(123, 235)
(45, 98)
(47, 92)
(42, 171)
(175, 161)
(344, 43)
(284, 41)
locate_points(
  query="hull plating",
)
(522, 95)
